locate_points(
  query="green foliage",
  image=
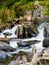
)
(7, 2)
(10, 8)
(6, 15)
(20, 8)
(45, 4)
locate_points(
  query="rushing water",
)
(39, 37)
(38, 45)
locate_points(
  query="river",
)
(38, 46)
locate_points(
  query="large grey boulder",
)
(2, 55)
(6, 47)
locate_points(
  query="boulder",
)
(15, 62)
(6, 47)
(46, 42)
(29, 29)
(31, 32)
(34, 28)
(46, 30)
(2, 55)
(27, 43)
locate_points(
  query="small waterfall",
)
(39, 46)
(40, 37)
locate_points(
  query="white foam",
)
(40, 37)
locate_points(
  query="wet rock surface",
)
(46, 30)
(2, 55)
(6, 47)
(46, 42)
